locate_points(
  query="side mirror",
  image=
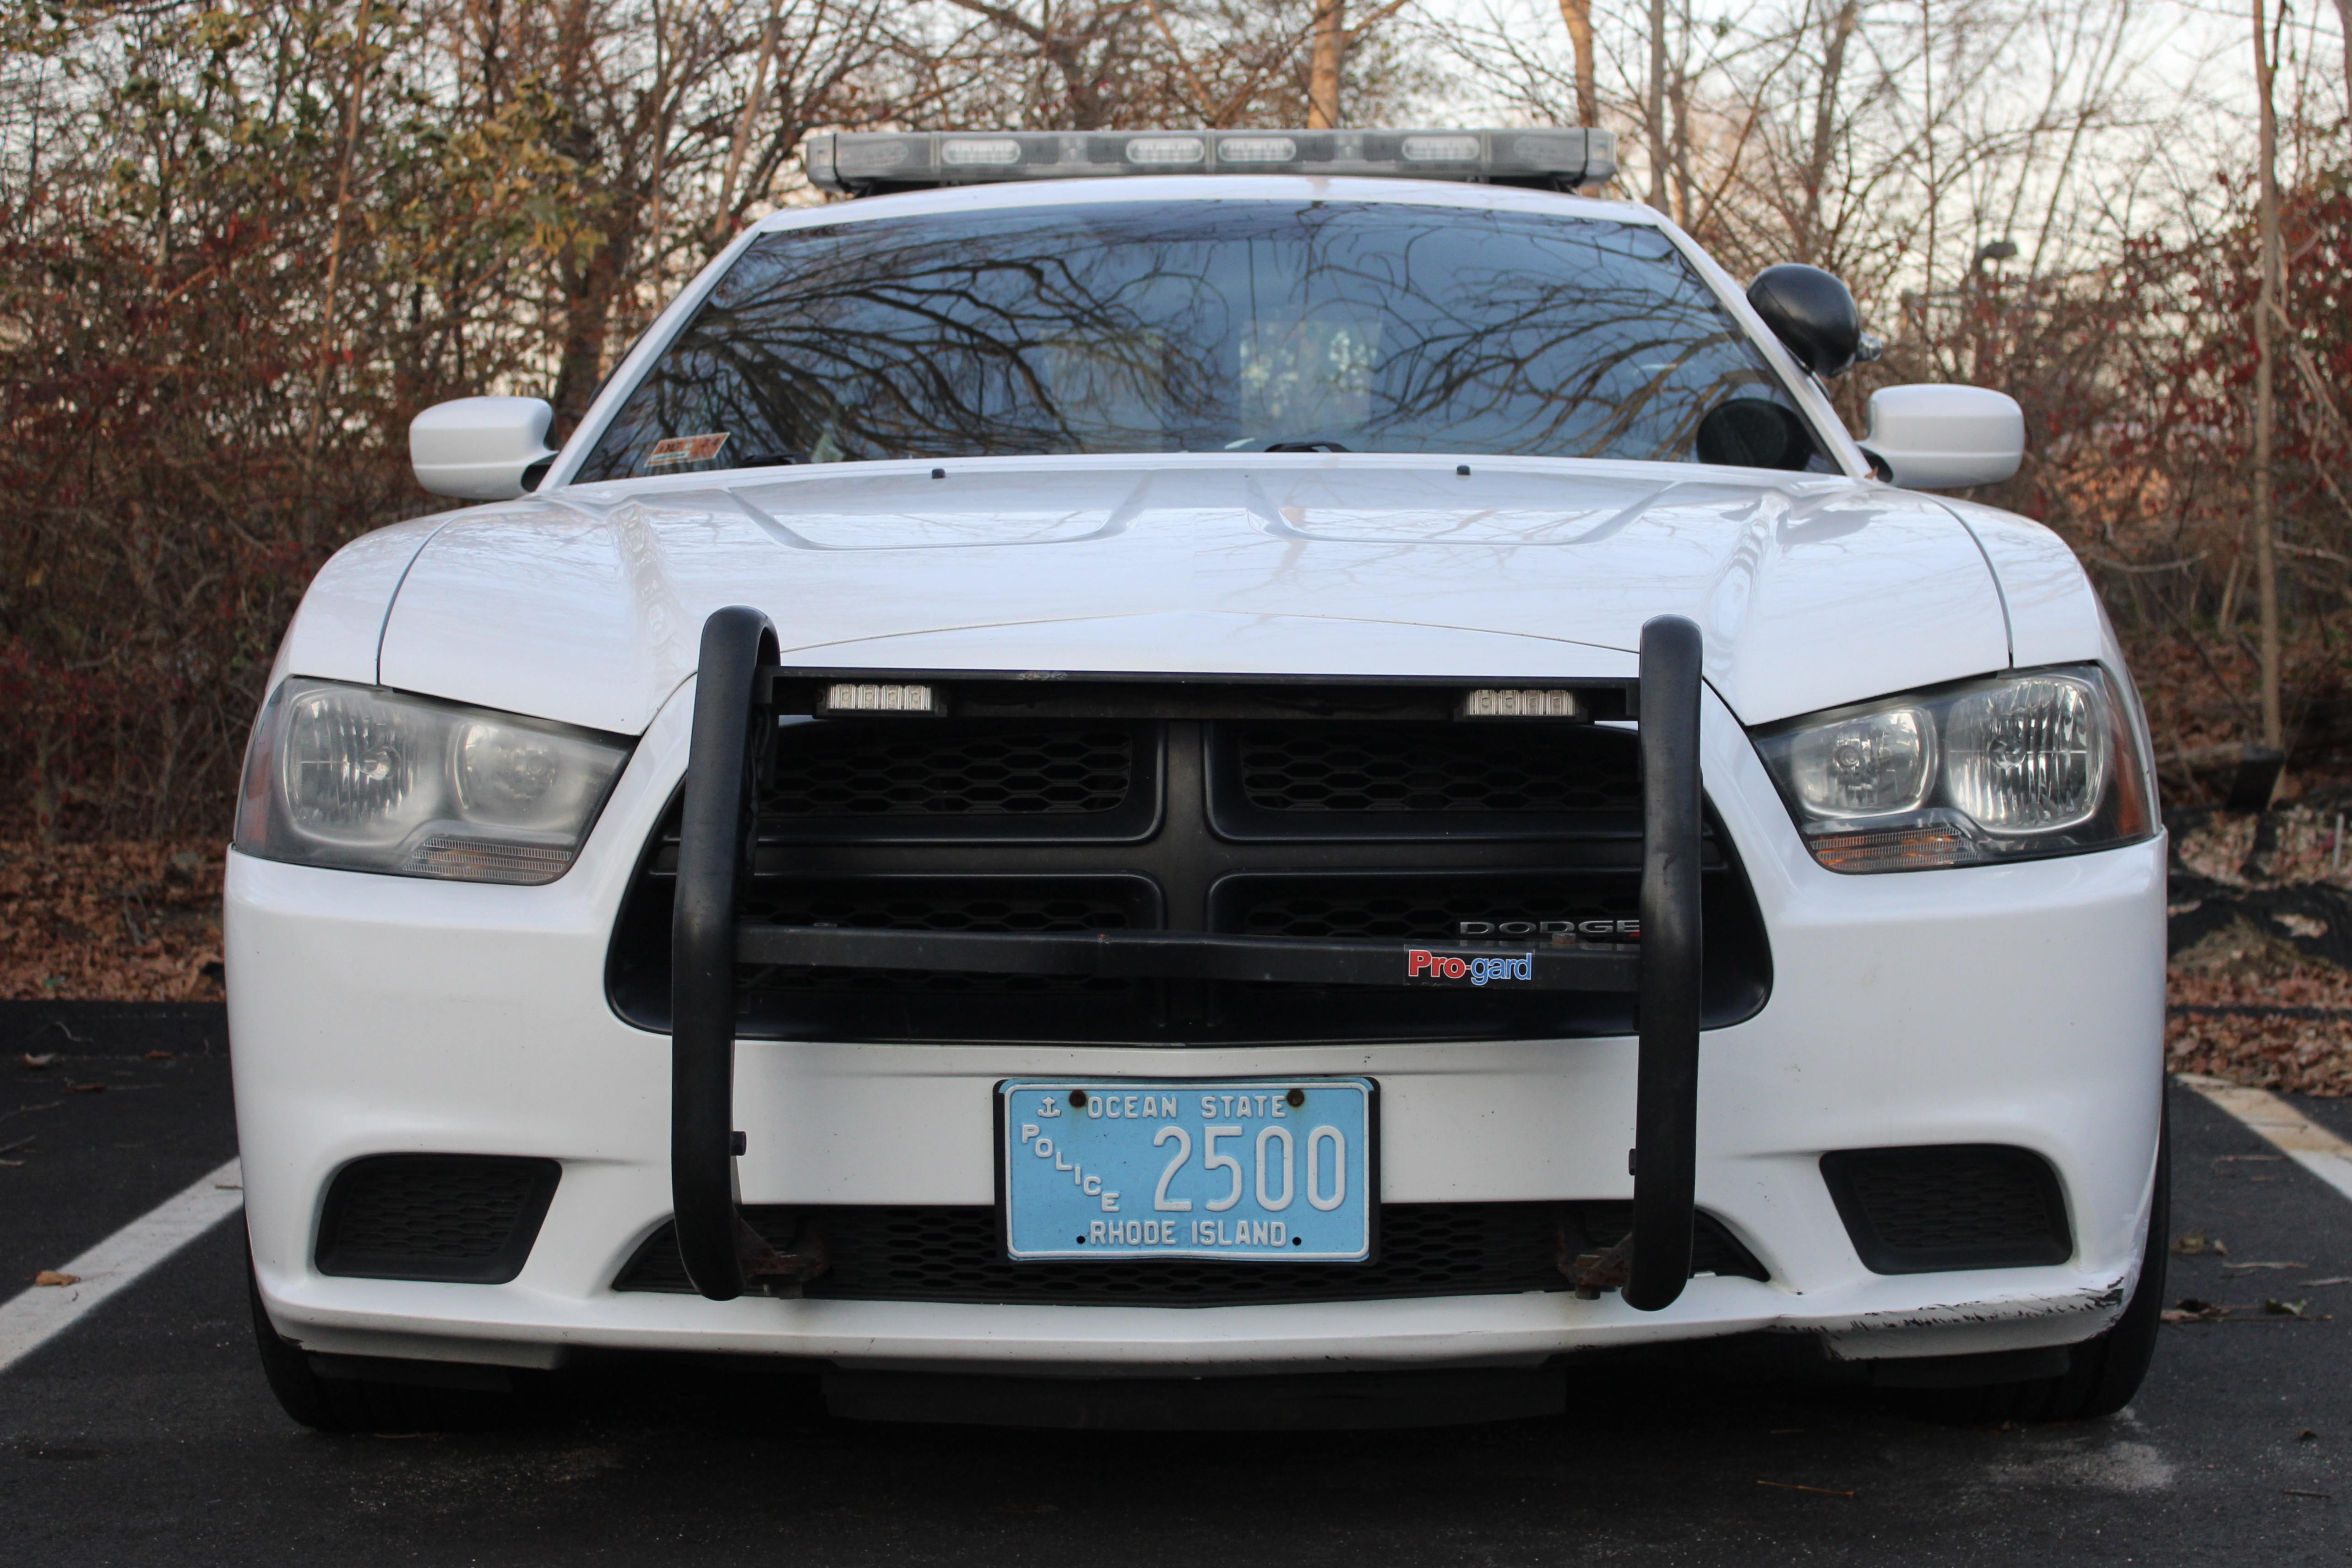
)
(478, 448)
(1945, 437)
(1813, 314)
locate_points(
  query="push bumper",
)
(2018, 1005)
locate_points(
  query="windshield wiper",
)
(1304, 446)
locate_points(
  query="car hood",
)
(586, 605)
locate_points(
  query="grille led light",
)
(849, 697)
(1497, 702)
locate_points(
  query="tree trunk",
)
(2344, 25)
(2266, 310)
(1809, 248)
(1653, 106)
(1577, 14)
(1323, 66)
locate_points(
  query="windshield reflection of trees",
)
(1167, 328)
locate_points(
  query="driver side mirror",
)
(480, 448)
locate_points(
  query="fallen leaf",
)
(2279, 1308)
(51, 1277)
(85, 1087)
(2196, 1243)
(2227, 1267)
(47, 1059)
(2189, 1310)
(1795, 1486)
(2306, 1436)
(163, 1055)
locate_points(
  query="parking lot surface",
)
(145, 1434)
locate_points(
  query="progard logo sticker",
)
(1425, 967)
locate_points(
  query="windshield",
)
(1207, 326)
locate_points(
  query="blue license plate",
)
(1261, 1170)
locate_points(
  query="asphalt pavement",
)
(145, 1434)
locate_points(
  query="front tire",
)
(2103, 1372)
(363, 1403)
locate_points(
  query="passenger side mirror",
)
(1813, 314)
(1945, 437)
(480, 448)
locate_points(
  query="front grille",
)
(463, 1218)
(936, 769)
(1952, 1206)
(955, 1254)
(1427, 768)
(1402, 829)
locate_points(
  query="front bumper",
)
(2018, 1005)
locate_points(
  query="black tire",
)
(2103, 1372)
(363, 1405)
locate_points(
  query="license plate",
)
(1258, 1170)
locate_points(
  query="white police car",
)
(1326, 761)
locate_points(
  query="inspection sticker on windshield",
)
(1260, 1170)
(680, 449)
(1427, 967)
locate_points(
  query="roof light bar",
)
(859, 162)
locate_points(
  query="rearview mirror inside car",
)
(1945, 437)
(480, 448)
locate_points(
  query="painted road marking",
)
(2290, 1132)
(43, 1312)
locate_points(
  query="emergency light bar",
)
(859, 162)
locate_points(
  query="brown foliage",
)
(112, 921)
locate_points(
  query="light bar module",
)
(863, 161)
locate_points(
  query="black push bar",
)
(1665, 1093)
(716, 833)
(1174, 955)
(733, 730)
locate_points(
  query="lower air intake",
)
(954, 1254)
(462, 1218)
(1934, 1207)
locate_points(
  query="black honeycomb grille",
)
(1955, 1206)
(1420, 768)
(948, 770)
(953, 1254)
(465, 1218)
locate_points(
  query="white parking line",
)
(2290, 1132)
(43, 1312)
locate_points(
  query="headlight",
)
(2016, 767)
(365, 779)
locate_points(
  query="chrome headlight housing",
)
(2020, 765)
(360, 779)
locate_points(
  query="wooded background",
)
(241, 245)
